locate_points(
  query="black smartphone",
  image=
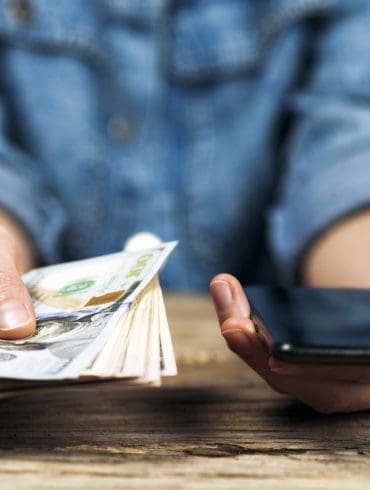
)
(313, 325)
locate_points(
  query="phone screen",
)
(314, 317)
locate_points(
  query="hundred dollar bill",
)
(79, 306)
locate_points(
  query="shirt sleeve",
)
(327, 153)
(25, 195)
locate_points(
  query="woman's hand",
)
(327, 389)
(17, 317)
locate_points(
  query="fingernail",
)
(221, 293)
(13, 315)
(237, 340)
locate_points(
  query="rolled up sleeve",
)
(327, 174)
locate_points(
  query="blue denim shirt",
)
(239, 127)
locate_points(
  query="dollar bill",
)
(97, 318)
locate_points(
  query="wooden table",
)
(215, 426)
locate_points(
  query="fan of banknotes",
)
(97, 319)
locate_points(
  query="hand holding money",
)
(100, 318)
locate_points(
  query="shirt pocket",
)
(69, 27)
(215, 53)
(214, 40)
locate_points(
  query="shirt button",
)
(21, 10)
(121, 128)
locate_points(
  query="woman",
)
(241, 128)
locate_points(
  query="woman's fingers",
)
(323, 395)
(229, 298)
(357, 374)
(327, 396)
(233, 311)
(327, 389)
(242, 339)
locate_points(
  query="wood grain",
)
(215, 426)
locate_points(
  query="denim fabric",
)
(239, 127)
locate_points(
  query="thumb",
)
(17, 317)
(229, 298)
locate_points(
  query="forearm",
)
(341, 256)
(24, 251)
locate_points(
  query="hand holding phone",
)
(326, 388)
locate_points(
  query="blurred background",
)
(240, 128)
